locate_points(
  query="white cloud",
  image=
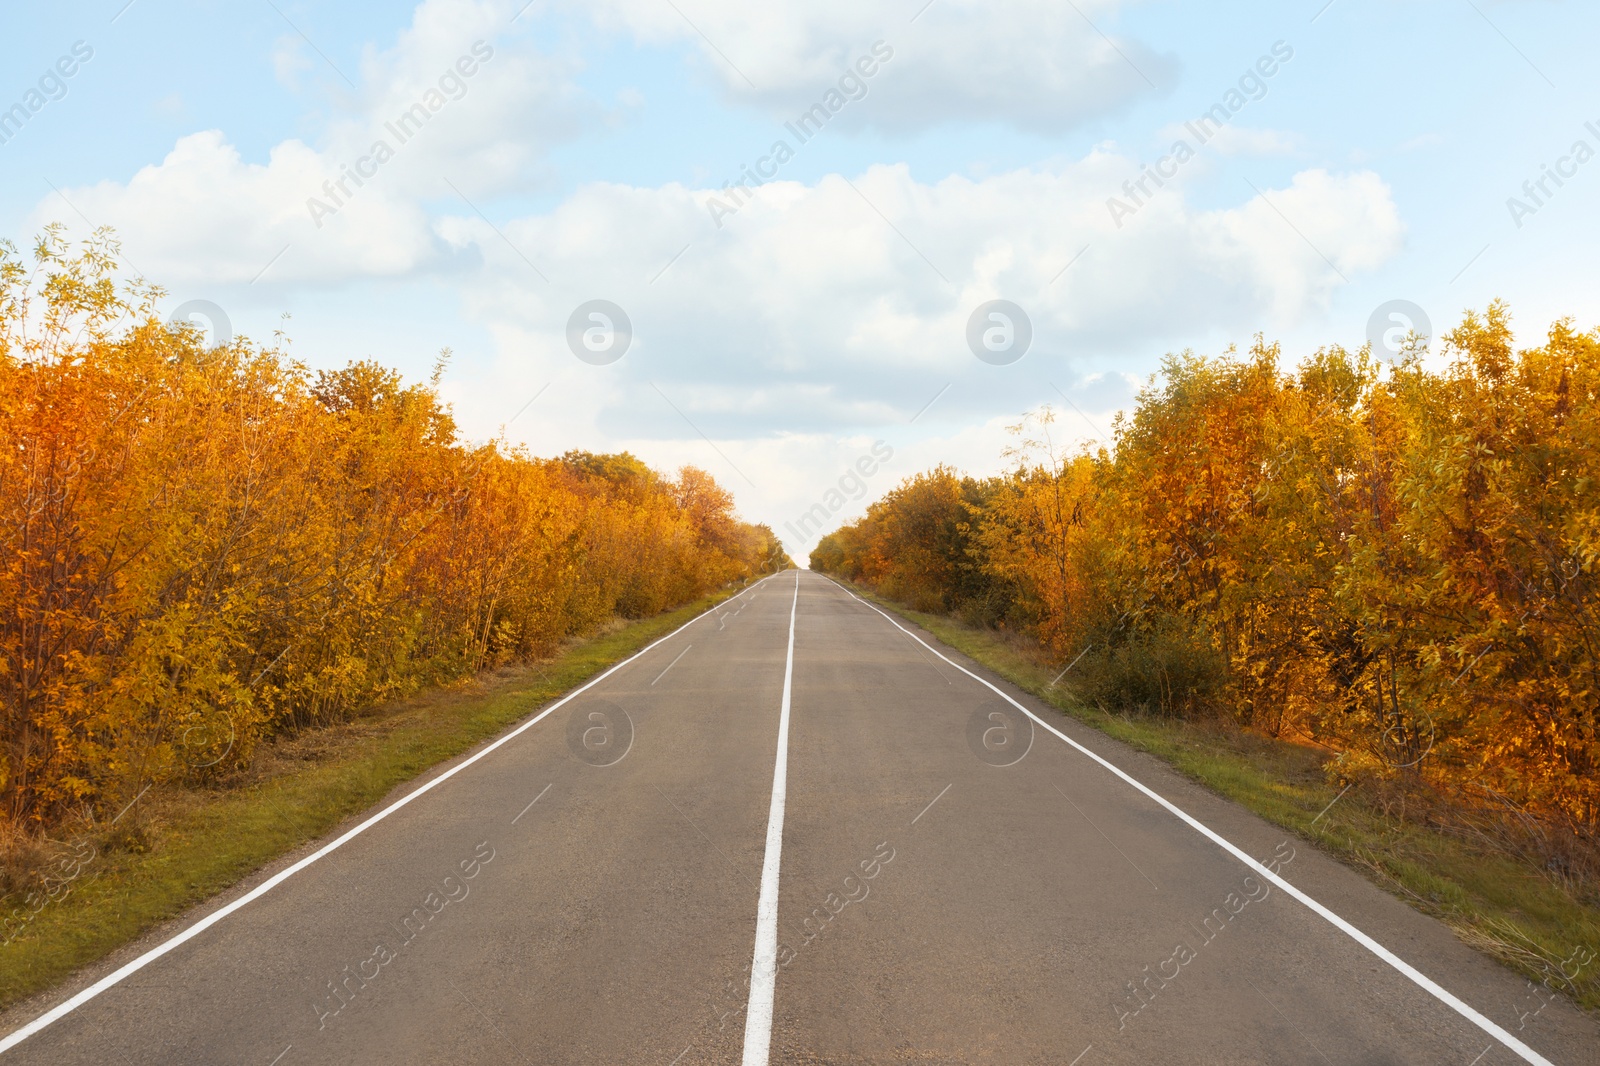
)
(1035, 64)
(808, 318)
(780, 477)
(883, 268)
(495, 124)
(1349, 223)
(817, 317)
(206, 214)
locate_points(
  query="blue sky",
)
(773, 344)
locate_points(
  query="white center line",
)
(536, 799)
(673, 663)
(764, 967)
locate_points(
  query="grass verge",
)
(1530, 918)
(181, 847)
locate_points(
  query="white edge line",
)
(1418, 978)
(764, 965)
(126, 971)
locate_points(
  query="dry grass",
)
(177, 846)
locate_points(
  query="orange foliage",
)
(1399, 563)
(200, 547)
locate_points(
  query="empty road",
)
(797, 831)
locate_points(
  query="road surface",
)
(797, 831)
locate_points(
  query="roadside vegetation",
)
(1341, 582)
(220, 572)
(182, 844)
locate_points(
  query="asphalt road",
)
(793, 830)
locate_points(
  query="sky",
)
(813, 247)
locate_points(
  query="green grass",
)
(1494, 900)
(181, 847)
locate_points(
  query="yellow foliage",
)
(1399, 563)
(200, 547)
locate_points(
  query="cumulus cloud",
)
(349, 204)
(457, 105)
(777, 350)
(779, 336)
(834, 305)
(495, 123)
(1034, 64)
(205, 214)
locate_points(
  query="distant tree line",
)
(200, 547)
(1396, 562)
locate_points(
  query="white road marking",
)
(673, 663)
(60, 1011)
(1417, 977)
(536, 799)
(764, 966)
